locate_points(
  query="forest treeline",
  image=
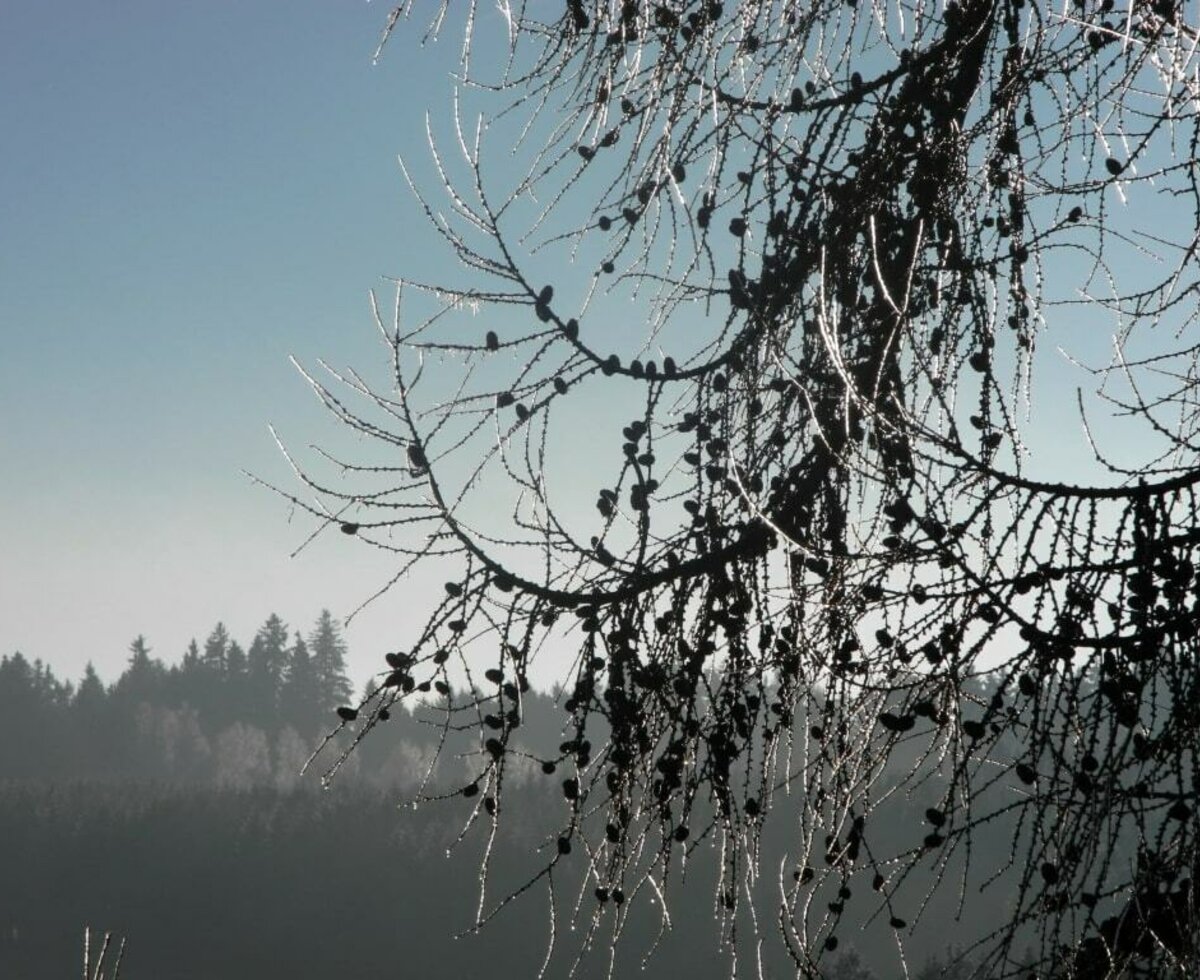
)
(111, 796)
(225, 714)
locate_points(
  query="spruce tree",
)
(266, 664)
(300, 697)
(239, 700)
(216, 650)
(95, 748)
(328, 651)
(19, 714)
(91, 697)
(235, 660)
(185, 677)
(143, 676)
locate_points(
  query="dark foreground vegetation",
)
(145, 809)
(263, 882)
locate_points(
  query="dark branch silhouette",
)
(852, 237)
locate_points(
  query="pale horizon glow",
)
(190, 195)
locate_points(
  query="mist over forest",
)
(169, 807)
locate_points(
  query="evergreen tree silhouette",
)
(238, 694)
(91, 698)
(186, 678)
(97, 753)
(132, 699)
(142, 680)
(266, 663)
(31, 700)
(328, 651)
(216, 648)
(211, 696)
(16, 683)
(235, 660)
(300, 697)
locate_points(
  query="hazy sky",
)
(189, 193)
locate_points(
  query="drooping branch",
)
(850, 232)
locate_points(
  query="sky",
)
(189, 194)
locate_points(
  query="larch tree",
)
(866, 332)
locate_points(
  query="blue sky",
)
(189, 193)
